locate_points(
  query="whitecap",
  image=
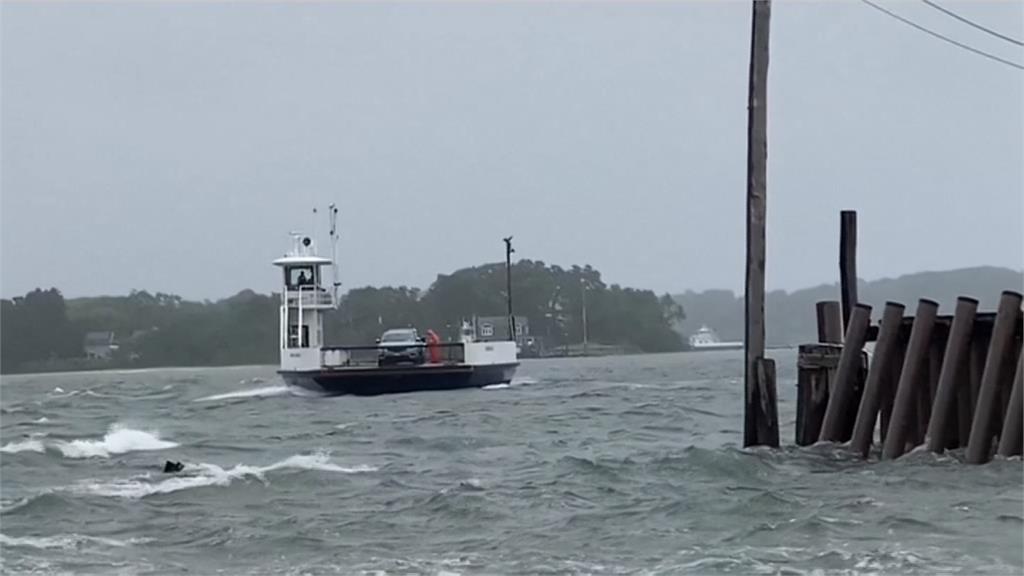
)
(203, 475)
(133, 489)
(61, 541)
(59, 392)
(265, 391)
(30, 445)
(496, 387)
(118, 440)
(318, 461)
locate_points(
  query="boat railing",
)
(309, 297)
(366, 356)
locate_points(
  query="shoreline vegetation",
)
(44, 332)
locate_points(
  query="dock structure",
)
(943, 381)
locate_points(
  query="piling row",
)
(945, 382)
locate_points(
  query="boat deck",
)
(398, 369)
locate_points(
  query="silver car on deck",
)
(400, 346)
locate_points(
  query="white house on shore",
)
(100, 345)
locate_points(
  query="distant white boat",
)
(707, 339)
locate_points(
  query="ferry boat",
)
(359, 370)
(707, 339)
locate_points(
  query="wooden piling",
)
(768, 423)
(830, 322)
(929, 385)
(880, 370)
(979, 354)
(1011, 442)
(979, 446)
(848, 263)
(1005, 388)
(832, 429)
(816, 368)
(935, 356)
(888, 391)
(954, 364)
(913, 365)
(758, 391)
(963, 403)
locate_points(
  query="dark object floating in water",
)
(172, 467)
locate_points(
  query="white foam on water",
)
(318, 461)
(118, 440)
(134, 489)
(265, 391)
(63, 541)
(42, 420)
(521, 381)
(203, 475)
(30, 445)
(58, 392)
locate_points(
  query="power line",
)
(952, 14)
(941, 37)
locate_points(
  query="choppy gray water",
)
(625, 465)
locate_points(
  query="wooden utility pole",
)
(848, 263)
(761, 426)
(583, 295)
(508, 288)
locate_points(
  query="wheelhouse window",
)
(297, 276)
(293, 337)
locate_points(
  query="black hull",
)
(398, 380)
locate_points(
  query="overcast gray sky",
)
(172, 146)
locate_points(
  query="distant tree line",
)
(43, 331)
(790, 316)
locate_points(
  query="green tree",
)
(35, 328)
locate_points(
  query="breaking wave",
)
(30, 445)
(203, 475)
(63, 541)
(517, 381)
(118, 440)
(266, 391)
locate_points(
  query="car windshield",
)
(400, 336)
